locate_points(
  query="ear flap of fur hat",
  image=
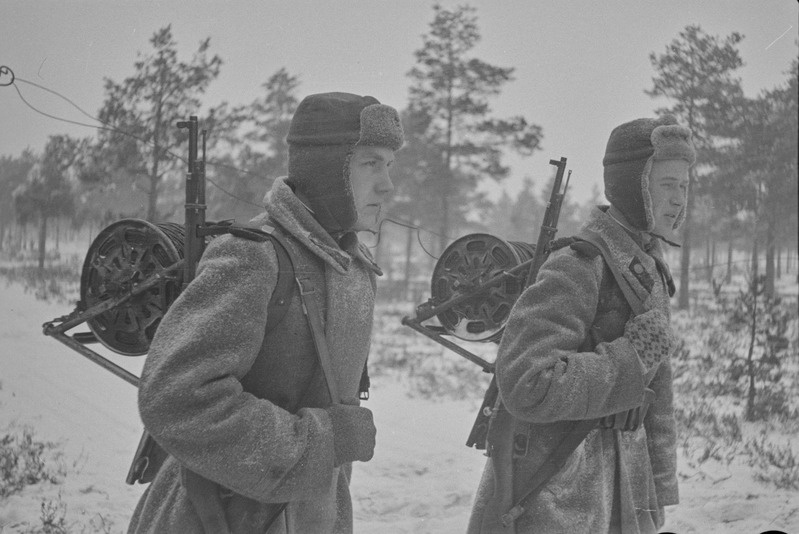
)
(631, 149)
(323, 132)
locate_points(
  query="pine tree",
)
(47, 192)
(449, 103)
(144, 108)
(695, 71)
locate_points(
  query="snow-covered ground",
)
(421, 480)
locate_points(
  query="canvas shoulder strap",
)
(635, 302)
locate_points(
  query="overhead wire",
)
(107, 127)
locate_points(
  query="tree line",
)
(742, 192)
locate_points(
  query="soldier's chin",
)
(369, 226)
(667, 229)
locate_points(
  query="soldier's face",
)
(668, 189)
(371, 183)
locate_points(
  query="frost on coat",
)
(561, 361)
(245, 409)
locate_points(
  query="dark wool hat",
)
(324, 130)
(631, 149)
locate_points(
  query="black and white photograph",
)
(410, 267)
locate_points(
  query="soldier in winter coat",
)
(573, 351)
(245, 414)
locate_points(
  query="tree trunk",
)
(750, 364)
(712, 257)
(728, 278)
(152, 199)
(42, 240)
(708, 261)
(771, 230)
(685, 258)
(444, 229)
(408, 250)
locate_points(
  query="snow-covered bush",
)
(432, 371)
(774, 463)
(24, 461)
(745, 347)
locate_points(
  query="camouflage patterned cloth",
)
(564, 357)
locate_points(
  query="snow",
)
(421, 480)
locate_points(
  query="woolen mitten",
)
(652, 337)
(353, 433)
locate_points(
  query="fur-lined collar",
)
(284, 208)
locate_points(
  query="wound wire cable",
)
(106, 127)
(411, 226)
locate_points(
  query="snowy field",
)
(83, 422)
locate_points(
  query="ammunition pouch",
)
(629, 420)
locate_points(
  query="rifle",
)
(149, 455)
(460, 304)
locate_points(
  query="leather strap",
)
(554, 463)
(635, 302)
(313, 312)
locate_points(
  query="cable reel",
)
(467, 263)
(124, 254)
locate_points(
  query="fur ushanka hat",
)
(324, 130)
(630, 152)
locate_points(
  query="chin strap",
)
(671, 243)
(641, 233)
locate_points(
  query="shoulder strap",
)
(630, 295)
(281, 296)
(313, 312)
(310, 307)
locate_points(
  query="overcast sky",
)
(581, 66)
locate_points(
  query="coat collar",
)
(284, 208)
(642, 268)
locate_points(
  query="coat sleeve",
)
(541, 374)
(662, 437)
(191, 398)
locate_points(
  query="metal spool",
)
(468, 262)
(126, 253)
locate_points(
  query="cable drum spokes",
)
(122, 255)
(467, 263)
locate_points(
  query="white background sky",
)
(581, 65)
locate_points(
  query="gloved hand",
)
(353, 433)
(651, 335)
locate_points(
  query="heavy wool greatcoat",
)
(563, 358)
(245, 409)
